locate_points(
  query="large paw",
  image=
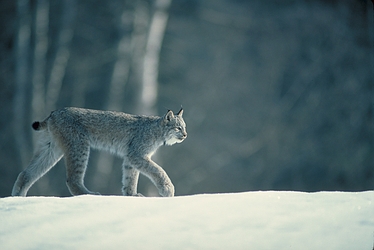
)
(128, 191)
(138, 195)
(167, 190)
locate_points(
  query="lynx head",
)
(175, 127)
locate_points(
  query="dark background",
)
(278, 95)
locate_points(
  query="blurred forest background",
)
(277, 94)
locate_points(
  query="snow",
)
(250, 220)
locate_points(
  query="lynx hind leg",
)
(45, 157)
(76, 159)
(130, 177)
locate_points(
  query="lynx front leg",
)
(130, 178)
(156, 174)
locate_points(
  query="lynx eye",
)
(178, 129)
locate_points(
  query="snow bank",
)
(252, 220)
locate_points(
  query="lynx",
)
(71, 132)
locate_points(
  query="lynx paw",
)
(167, 190)
(138, 195)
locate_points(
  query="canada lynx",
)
(70, 132)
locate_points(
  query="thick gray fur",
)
(71, 132)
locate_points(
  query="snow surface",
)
(251, 220)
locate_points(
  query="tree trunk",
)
(116, 91)
(39, 70)
(39, 61)
(138, 45)
(152, 56)
(21, 80)
(147, 67)
(62, 55)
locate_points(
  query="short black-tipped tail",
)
(36, 125)
(39, 125)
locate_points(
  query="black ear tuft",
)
(180, 112)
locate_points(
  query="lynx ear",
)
(169, 116)
(180, 113)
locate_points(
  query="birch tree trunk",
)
(370, 19)
(62, 55)
(39, 60)
(147, 61)
(143, 49)
(116, 90)
(156, 33)
(21, 80)
(39, 71)
(142, 19)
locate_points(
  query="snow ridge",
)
(250, 220)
